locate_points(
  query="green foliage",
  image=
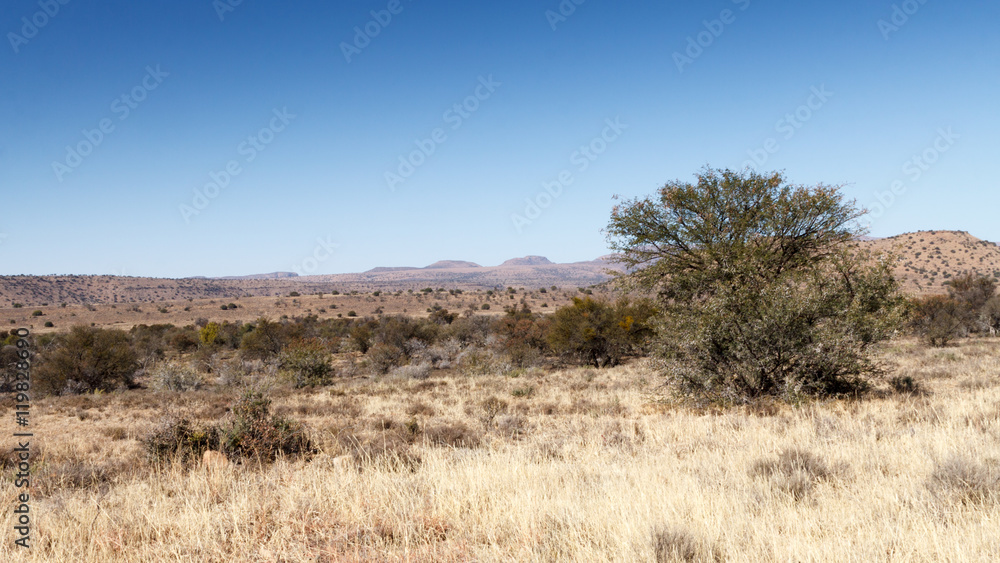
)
(209, 333)
(87, 359)
(307, 363)
(264, 340)
(972, 292)
(599, 333)
(522, 335)
(938, 319)
(254, 433)
(762, 289)
(383, 357)
(990, 315)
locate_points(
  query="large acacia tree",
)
(762, 286)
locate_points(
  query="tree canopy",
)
(762, 285)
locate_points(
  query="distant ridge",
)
(449, 264)
(528, 261)
(928, 260)
(271, 276)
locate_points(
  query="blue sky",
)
(180, 138)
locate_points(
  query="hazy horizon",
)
(397, 133)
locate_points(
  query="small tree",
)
(972, 292)
(990, 315)
(599, 333)
(938, 319)
(761, 284)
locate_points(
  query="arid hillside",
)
(928, 259)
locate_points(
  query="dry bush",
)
(794, 471)
(671, 545)
(966, 480)
(454, 434)
(420, 408)
(179, 440)
(180, 378)
(412, 371)
(906, 385)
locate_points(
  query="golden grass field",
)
(566, 465)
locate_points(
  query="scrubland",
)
(570, 464)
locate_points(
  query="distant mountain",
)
(383, 269)
(271, 276)
(450, 264)
(928, 260)
(527, 261)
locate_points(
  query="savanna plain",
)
(488, 463)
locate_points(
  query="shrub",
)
(972, 292)
(37, 313)
(167, 377)
(382, 358)
(761, 287)
(938, 319)
(793, 472)
(8, 367)
(264, 340)
(678, 546)
(967, 480)
(179, 440)
(352, 313)
(522, 335)
(599, 333)
(990, 315)
(209, 333)
(48, 324)
(307, 363)
(87, 359)
(253, 433)
(412, 371)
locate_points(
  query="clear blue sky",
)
(180, 87)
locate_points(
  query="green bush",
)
(382, 358)
(264, 340)
(762, 289)
(87, 359)
(307, 363)
(938, 319)
(254, 433)
(599, 333)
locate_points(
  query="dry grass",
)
(588, 466)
